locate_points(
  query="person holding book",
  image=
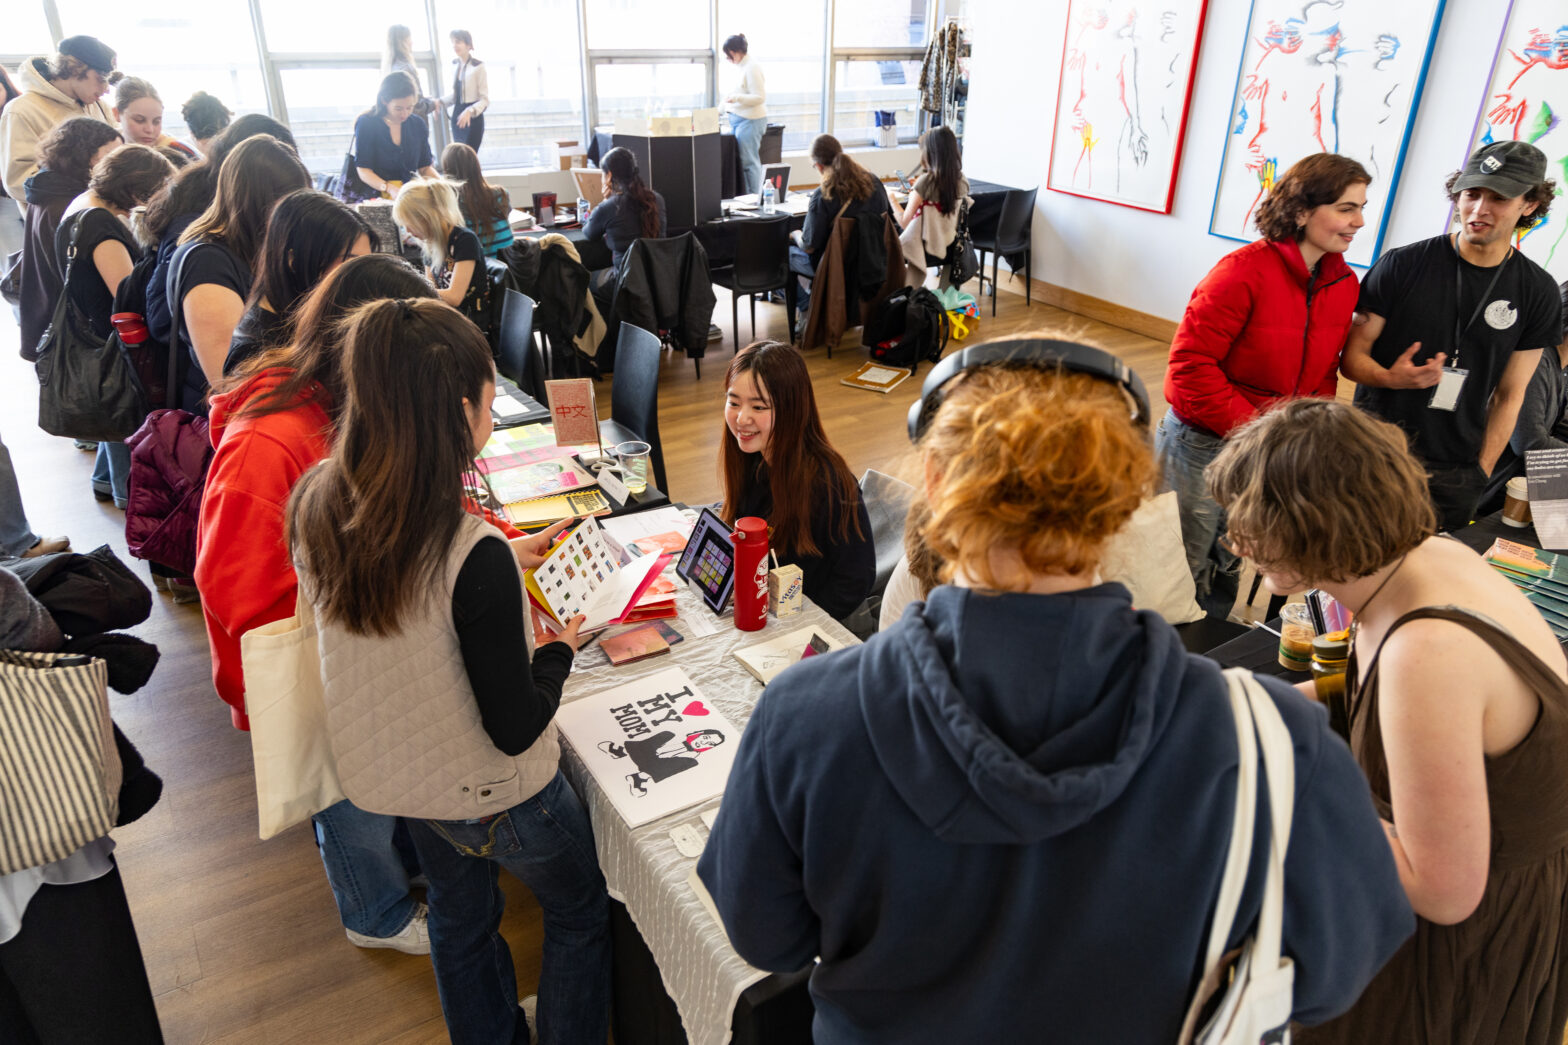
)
(777, 464)
(454, 257)
(1458, 714)
(391, 141)
(1042, 777)
(421, 613)
(1266, 324)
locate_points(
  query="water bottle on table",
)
(767, 197)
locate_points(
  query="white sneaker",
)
(414, 939)
(530, 1007)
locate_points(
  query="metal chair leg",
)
(996, 262)
(1029, 274)
(735, 319)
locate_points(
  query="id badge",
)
(1446, 395)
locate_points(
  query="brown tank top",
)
(1527, 788)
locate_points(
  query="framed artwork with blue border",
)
(1527, 100)
(1339, 76)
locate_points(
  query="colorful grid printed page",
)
(582, 575)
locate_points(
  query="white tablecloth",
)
(701, 972)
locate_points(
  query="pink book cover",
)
(572, 411)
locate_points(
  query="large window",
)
(180, 48)
(555, 66)
(863, 88)
(790, 54)
(534, 61)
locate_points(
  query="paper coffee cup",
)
(1516, 504)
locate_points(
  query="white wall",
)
(1150, 262)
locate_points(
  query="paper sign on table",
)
(572, 410)
(654, 746)
(1548, 484)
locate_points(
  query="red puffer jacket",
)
(1258, 329)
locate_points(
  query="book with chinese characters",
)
(876, 378)
(655, 745)
(581, 575)
(546, 510)
(572, 411)
(766, 659)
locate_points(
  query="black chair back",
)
(515, 350)
(634, 392)
(761, 254)
(1013, 228)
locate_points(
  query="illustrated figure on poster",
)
(1124, 86)
(661, 756)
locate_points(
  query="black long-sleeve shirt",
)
(489, 614)
(840, 578)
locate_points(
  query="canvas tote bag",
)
(59, 769)
(296, 772)
(1245, 997)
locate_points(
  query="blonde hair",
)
(1044, 463)
(428, 209)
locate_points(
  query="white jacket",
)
(476, 88)
(25, 122)
(749, 99)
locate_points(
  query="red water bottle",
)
(751, 572)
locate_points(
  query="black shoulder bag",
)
(87, 388)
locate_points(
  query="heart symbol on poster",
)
(694, 708)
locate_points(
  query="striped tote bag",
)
(59, 770)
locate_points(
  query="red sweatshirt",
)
(242, 566)
(1259, 328)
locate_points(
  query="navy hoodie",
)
(1005, 819)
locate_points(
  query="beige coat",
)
(25, 122)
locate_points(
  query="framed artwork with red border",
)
(1123, 98)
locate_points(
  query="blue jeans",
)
(748, 143)
(1183, 452)
(802, 264)
(16, 536)
(547, 842)
(112, 471)
(364, 869)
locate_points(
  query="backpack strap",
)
(177, 314)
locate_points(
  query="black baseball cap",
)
(1509, 168)
(90, 51)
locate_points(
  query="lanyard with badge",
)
(1446, 395)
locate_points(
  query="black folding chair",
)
(761, 265)
(1014, 235)
(634, 392)
(517, 354)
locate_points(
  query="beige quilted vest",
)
(404, 724)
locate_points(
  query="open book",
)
(582, 575)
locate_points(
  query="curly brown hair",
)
(1313, 181)
(1041, 462)
(69, 148)
(130, 175)
(1540, 194)
(1321, 490)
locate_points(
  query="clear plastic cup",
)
(633, 456)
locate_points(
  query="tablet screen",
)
(708, 563)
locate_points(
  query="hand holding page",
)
(582, 575)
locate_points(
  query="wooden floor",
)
(241, 937)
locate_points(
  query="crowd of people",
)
(1041, 774)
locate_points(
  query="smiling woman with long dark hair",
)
(777, 463)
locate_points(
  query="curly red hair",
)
(1041, 462)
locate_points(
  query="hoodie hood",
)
(224, 405)
(1018, 717)
(50, 187)
(34, 76)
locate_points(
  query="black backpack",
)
(907, 328)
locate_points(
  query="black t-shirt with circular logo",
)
(1412, 288)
